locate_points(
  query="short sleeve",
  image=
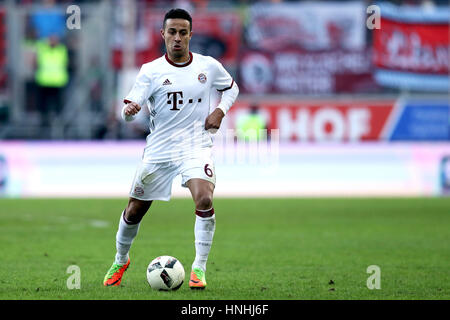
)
(142, 88)
(222, 79)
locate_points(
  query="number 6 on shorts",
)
(208, 171)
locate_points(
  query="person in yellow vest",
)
(249, 125)
(51, 76)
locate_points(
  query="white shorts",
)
(153, 181)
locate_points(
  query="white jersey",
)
(177, 96)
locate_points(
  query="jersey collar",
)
(180, 65)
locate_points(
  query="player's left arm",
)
(229, 96)
(225, 84)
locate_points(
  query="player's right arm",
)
(140, 92)
(130, 110)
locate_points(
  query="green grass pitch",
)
(268, 249)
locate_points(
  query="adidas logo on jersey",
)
(167, 82)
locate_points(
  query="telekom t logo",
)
(174, 102)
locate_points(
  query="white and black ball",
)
(165, 273)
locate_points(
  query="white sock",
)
(204, 233)
(124, 238)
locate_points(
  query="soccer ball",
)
(165, 273)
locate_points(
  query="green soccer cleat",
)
(114, 275)
(198, 280)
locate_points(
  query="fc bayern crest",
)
(202, 78)
(139, 191)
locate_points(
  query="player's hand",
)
(131, 109)
(214, 120)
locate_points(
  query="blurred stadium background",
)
(349, 110)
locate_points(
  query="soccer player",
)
(176, 88)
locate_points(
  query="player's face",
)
(176, 36)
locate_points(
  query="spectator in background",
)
(49, 20)
(51, 76)
(47, 59)
(250, 125)
(28, 65)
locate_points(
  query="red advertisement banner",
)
(303, 72)
(321, 120)
(306, 25)
(412, 47)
